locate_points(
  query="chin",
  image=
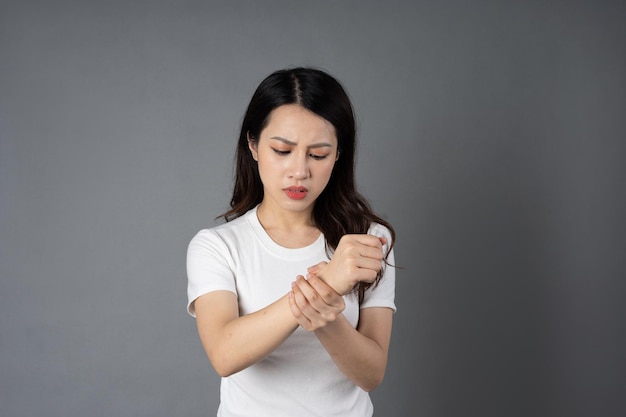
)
(299, 205)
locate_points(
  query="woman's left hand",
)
(314, 303)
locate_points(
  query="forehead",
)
(295, 123)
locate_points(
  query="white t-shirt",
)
(299, 378)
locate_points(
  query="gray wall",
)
(492, 136)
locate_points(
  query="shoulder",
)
(226, 232)
(233, 226)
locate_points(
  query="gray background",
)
(491, 136)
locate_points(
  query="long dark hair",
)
(339, 209)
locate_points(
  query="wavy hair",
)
(339, 209)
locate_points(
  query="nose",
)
(299, 166)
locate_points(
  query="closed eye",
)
(312, 155)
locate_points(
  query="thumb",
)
(316, 268)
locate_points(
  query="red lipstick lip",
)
(295, 193)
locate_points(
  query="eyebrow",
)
(315, 145)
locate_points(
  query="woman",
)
(294, 295)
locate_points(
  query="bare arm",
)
(233, 343)
(357, 258)
(361, 353)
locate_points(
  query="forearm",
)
(243, 341)
(360, 358)
(361, 354)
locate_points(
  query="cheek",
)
(269, 167)
(326, 171)
(265, 169)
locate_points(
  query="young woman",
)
(294, 294)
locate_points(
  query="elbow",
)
(222, 365)
(223, 371)
(372, 383)
(220, 368)
(369, 387)
(219, 363)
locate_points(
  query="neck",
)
(286, 221)
(288, 229)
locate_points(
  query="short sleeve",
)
(209, 267)
(383, 294)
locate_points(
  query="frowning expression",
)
(296, 153)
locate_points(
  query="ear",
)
(252, 145)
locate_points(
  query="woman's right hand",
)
(357, 258)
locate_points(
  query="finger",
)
(301, 319)
(331, 303)
(308, 300)
(366, 275)
(371, 252)
(325, 291)
(369, 263)
(310, 295)
(316, 268)
(297, 313)
(314, 318)
(370, 240)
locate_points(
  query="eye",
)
(318, 157)
(280, 152)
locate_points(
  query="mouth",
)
(296, 193)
